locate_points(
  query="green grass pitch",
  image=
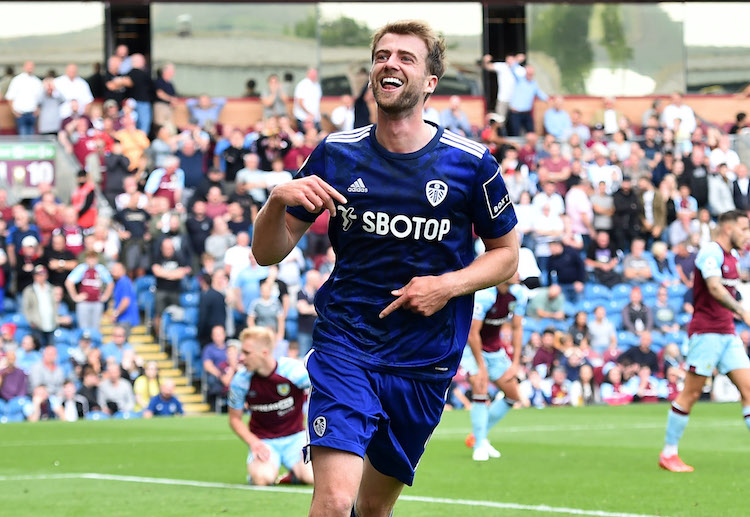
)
(557, 461)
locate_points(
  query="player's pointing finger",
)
(398, 302)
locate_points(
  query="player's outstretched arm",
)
(276, 232)
(428, 294)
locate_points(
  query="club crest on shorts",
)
(319, 425)
(436, 191)
(283, 389)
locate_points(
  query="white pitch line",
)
(291, 490)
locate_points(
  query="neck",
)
(403, 133)
(268, 368)
(725, 242)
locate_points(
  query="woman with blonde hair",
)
(146, 386)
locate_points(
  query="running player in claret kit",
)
(485, 359)
(713, 343)
(274, 392)
(393, 317)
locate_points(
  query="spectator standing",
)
(115, 394)
(274, 99)
(214, 358)
(212, 308)
(267, 312)
(567, 268)
(306, 310)
(205, 110)
(165, 403)
(48, 216)
(608, 116)
(124, 301)
(141, 88)
(90, 285)
(342, 117)
(134, 143)
(58, 259)
(83, 199)
(25, 93)
(653, 209)
(307, 95)
(73, 88)
(522, 102)
(50, 122)
(741, 189)
(720, 195)
(626, 219)
(118, 168)
(40, 307)
(169, 268)
(17, 232)
(5, 80)
(116, 83)
(508, 72)
(166, 97)
(27, 260)
(678, 110)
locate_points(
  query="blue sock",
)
(677, 421)
(498, 409)
(479, 417)
(746, 415)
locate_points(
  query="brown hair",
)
(435, 43)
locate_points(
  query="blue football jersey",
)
(406, 215)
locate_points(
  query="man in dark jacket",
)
(566, 265)
(212, 310)
(626, 223)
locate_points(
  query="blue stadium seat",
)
(191, 315)
(97, 415)
(593, 290)
(615, 306)
(615, 318)
(626, 339)
(96, 336)
(9, 305)
(17, 318)
(532, 325)
(570, 309)
(589, 305)
(190, 284)
(144, 283)
(649, 289)
(683, 318)
(126, 415)
(63, 353)
(658, 342)
(146, 302)
(677, 290)
(622, 291)
(290, 330)
(64, 336)
(189, 349)
(190, 299)
(678, 337)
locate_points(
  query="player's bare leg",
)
(741, 379)
(262, 473)
(337, 477)
(377, 493)
(677, 421)
(303, 472)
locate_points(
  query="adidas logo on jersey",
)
(357, 186)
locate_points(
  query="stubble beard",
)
(400, 104)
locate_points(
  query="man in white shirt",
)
(343, 116)
(678, 110)
(724, 154)
(25, 93)
(307, 95)
(508, 73)
(73, 87)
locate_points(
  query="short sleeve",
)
(238, 389)
(314, 165)
(709, 260)
(518, 308)
(295, 371)
(492, 209)
(483, 302)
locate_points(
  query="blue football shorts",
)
(387, 417)
(497, 363)
(722, 351)
(285, 450)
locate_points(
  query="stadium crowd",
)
(611, 214)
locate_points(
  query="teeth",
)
(392, 80)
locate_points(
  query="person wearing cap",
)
(39, 306)
(90, 285)
(28, 258)
(83, 199)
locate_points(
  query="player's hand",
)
(424, 295)
(261, 451)
(510, 373)
(311, 193)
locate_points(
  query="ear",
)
(431, 84)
